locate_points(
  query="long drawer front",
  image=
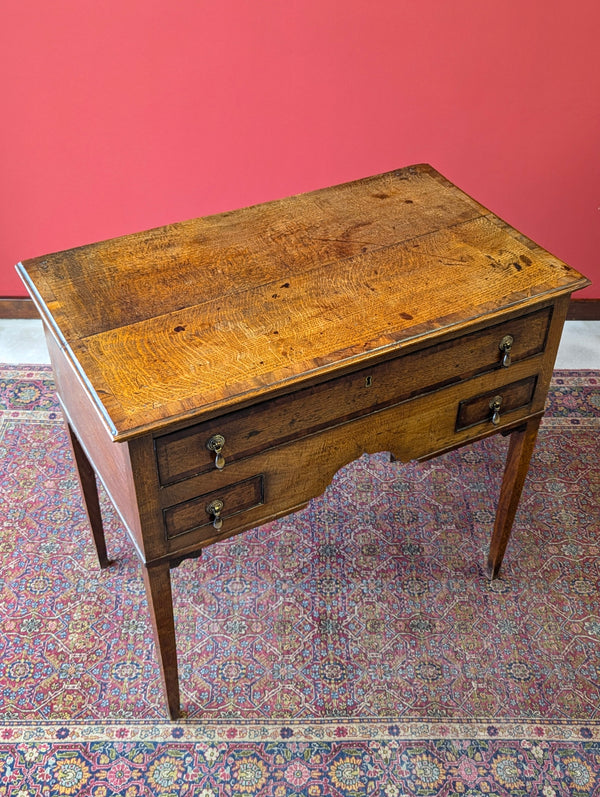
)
(253, 490)
(221, 442)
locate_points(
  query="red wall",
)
(125, 115)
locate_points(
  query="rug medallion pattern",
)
(353, 648)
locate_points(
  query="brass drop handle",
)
(215, 444)
(214, 509)
(495, 405)
(506, 347)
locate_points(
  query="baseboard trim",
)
(21, 307)
(584, 310)
(17, 307)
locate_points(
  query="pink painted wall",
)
(125, 115)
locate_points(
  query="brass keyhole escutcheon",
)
(506, 347)
(495, 405)
(368, 381)
(215, 444)
(214, 509)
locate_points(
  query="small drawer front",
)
(492, 405)
(217, 443)
(196, 514)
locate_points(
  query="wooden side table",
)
(215, 374)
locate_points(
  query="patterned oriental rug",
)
(354, 648)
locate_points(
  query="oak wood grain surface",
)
(190, 319)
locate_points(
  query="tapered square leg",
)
(157, 580)
(89, 489)
(522, 442)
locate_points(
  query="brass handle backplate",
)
(495, 405)
(215, 444)
(214, 509)
(506, 348)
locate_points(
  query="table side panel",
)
(110, 460)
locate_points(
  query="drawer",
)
(197, 513)
(491, 406)
(185, 453)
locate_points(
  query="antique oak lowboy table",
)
(216, 373)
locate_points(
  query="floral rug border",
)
(339, 730)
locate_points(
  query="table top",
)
(196, 318)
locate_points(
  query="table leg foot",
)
(89, 490)
(522, 442)
(160, 603)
